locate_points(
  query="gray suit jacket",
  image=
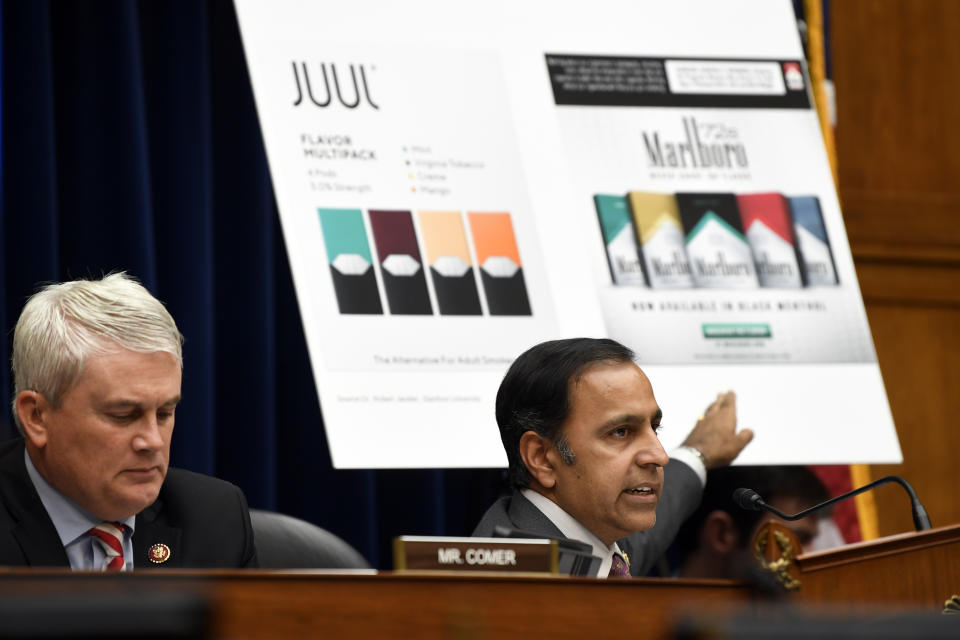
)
(680, 498)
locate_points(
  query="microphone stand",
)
(921, 521)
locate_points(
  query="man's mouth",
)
(142, 471)
(642, 491)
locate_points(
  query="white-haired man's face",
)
(107, 446)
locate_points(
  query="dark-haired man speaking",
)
(579, 423)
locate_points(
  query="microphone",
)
(751, 501)
(748, 499)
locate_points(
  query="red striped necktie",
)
(110, 537)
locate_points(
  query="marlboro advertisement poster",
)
(459, 181)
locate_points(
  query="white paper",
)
(448, 107)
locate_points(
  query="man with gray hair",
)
(97, 367)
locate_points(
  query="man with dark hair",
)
(579, 421)
(715, 541)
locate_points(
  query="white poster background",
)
(469, 80)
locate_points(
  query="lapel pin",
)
(159, 553)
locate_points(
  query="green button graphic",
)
(736, 331)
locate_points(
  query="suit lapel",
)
(525, 515)
(153, 539)
(38, 538)
(33, 529)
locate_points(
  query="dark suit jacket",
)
(680, 497)
(204, 522)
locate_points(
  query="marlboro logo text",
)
(703, 146)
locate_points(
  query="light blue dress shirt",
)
(73, 524)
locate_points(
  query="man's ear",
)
(719, 534)
(32, 409)
(533, 451)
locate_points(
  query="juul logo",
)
(350, 101)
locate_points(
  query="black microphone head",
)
(747, 499)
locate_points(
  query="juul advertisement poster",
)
(458, 181)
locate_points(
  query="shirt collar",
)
(571, 528)
(70, 519)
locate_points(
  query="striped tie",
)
(110, 537)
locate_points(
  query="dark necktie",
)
(619, 568)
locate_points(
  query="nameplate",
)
(524, 555)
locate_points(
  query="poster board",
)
(458, 181)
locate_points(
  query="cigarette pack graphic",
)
(719, 254)
(660, 233)
(445, 244)
(500, 268)
(813, 242)
(400, 263)
(351, 266)
(619, 239)
(772, 239)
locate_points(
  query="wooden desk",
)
(914, 571)
(910, 570)
(263, 604)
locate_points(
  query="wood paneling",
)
(895, 64)
(919, 352)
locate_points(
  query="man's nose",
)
(148, 436)
(651, 452)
